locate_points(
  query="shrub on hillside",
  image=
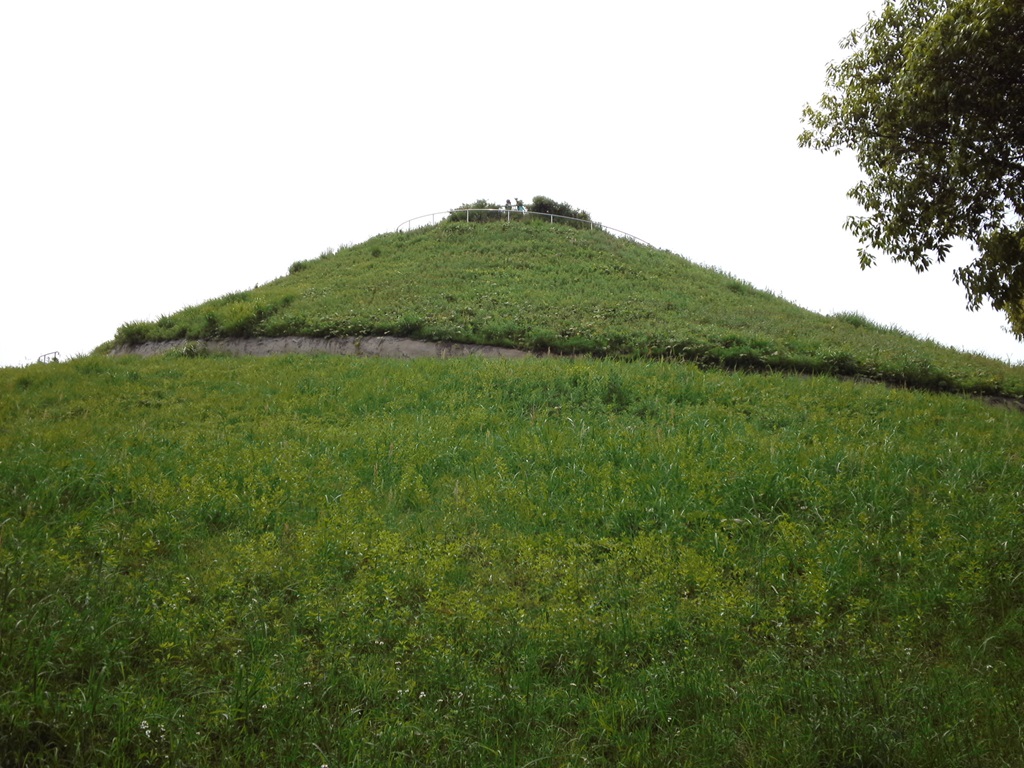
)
(541, 204)
(493, 212)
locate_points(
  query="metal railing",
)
(507, 214)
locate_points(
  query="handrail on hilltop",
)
(508, 213)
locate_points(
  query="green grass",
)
(307, 561)
(541, 287)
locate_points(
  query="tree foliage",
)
(931, 99)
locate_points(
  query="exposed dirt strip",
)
(369, 346)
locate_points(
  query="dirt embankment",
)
(369, 346)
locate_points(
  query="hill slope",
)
(537, 286)
(357, 561)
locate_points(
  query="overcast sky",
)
(153, 156)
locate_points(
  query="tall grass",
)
(330, 561)
(538, 286)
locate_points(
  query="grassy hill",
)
(628, 559)
(538, 286)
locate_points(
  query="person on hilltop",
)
(508, 206)
(520, 208)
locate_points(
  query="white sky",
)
(153, 156)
